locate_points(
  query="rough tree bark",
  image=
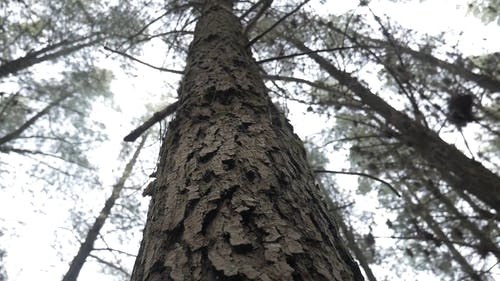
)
(234, 198)
(461, 172)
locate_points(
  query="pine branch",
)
(265, 5)
(17, 132)
(157, 116)
(306, 53)
(276, 23)
(142, 62)
(360, 174)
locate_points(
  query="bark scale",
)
(234, 197)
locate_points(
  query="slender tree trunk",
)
(358, 252)
(485, 81)
(88, 245)
(234, 198)
(433, 225)
(485, 242)
(457, 169)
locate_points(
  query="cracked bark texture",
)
(234, 198)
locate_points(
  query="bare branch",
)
(157, 116)
(265, 5)
(115, 250)
(276, 23)
(112, 265)
(8, 149)
(306, 53)
(144, 63)
(360, 174)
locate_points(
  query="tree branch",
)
(360, 174)
(112, 265)
(265, 5)
(157, 116)
(17, 132)
(144, 63)
(276, 23)
(306, 53)
(254, 6)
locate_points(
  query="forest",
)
(250, 140)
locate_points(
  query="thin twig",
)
(466, 144)
(145, 63)
(111, 264)
(149, 24)
(276, 23)
(306, 53)
(360, 174)
(115, 250)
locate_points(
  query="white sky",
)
(31, 255)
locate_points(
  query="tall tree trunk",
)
(434, 226)
(234, 198)
(457, 169)
(88, 245)
(485, 241)
(355, 248)
(485, 81)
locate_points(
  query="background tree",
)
(88, 245)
